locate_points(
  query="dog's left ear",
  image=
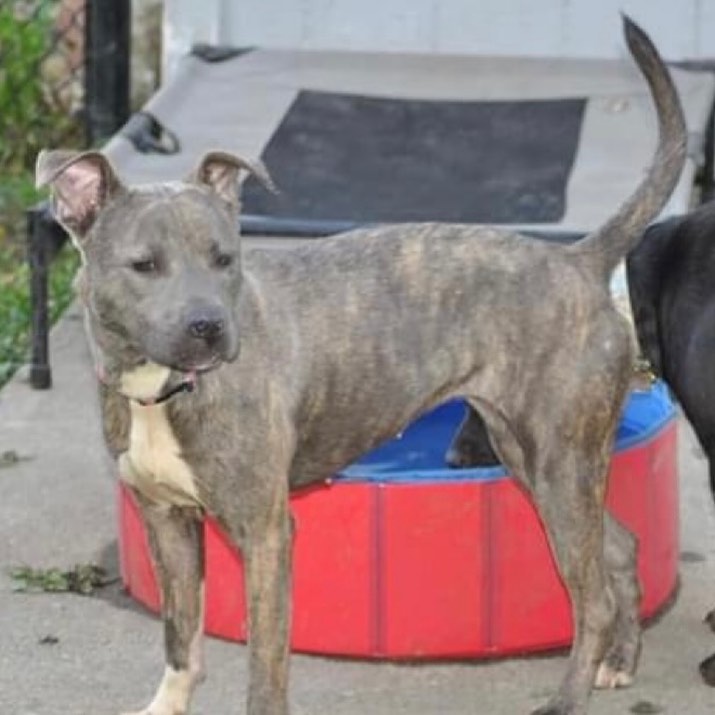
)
(220, 171)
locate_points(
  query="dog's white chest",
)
(153, 464)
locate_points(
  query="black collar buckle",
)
(185, 386)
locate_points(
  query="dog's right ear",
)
(81, 185)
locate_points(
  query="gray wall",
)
(576, 28)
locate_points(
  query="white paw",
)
(610, 678)
(161, 710)
(173, 695)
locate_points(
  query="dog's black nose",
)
(206, 329)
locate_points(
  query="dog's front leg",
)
(176, 538)
(265, 537)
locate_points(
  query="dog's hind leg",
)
(707, 666)
(694, 386)
(567, 483)
(176, 538)
(619, 665)
(569, 491)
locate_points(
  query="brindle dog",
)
(228, 380)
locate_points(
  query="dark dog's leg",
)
(265, 539)
(471, 446)
(707, 669)
(569, 495)
(707, 666)
(176, 538)
(619, 665)
(694, 386)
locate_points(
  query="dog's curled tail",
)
(610, 243)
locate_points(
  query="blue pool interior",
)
(418, 454)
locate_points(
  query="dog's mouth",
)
(191, 356)
(197, 368)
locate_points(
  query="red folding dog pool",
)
(402, 557)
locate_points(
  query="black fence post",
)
(44, 238)
(40, 375)
(708, 170)
(107, 69)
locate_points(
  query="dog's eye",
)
(146, 266)
(223, 260)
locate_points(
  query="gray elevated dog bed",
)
(355, 138)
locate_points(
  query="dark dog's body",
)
(671, 278)
(672, 288)
(304, 359)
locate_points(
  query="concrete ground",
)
(57, 509)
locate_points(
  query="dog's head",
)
(162, 264)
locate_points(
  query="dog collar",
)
(188, 384)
